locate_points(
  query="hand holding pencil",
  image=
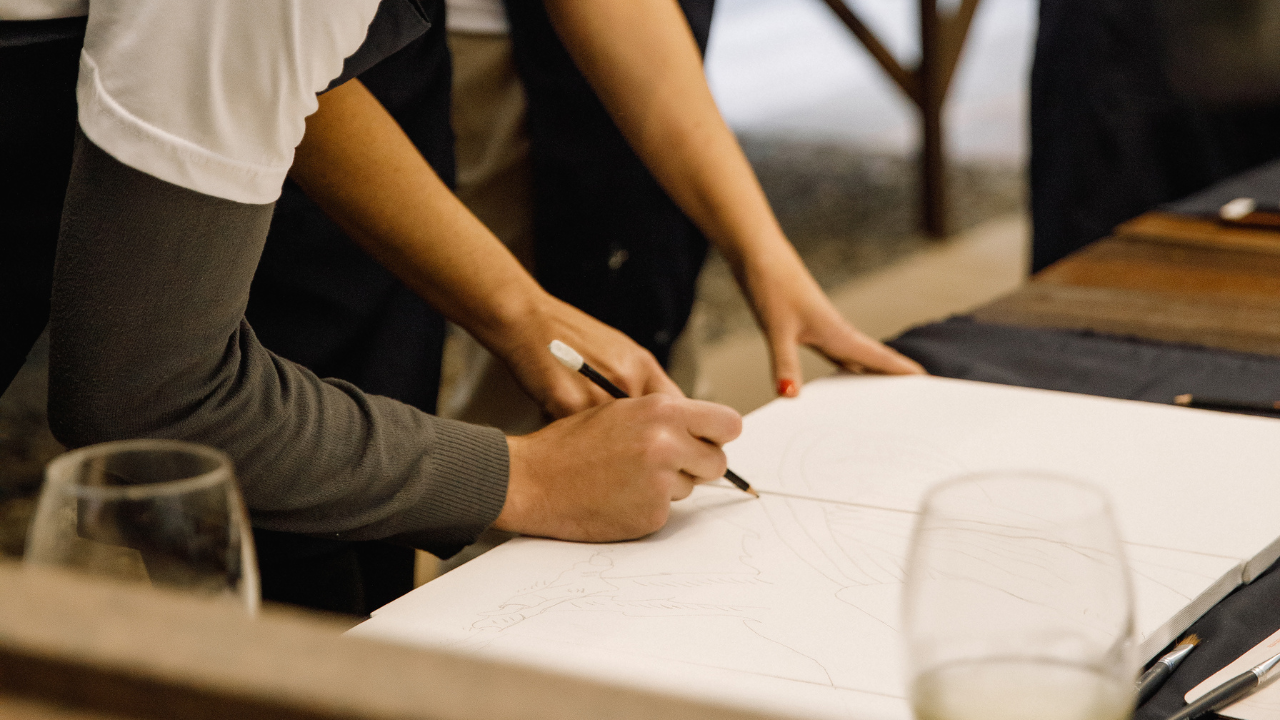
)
(611, 472)
(572, 359)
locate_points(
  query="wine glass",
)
(162, 512)
(1018, 602)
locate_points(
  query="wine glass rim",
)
(221, 471)
(1020, 474)
(1099, 495)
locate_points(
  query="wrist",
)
(518, 505)
(514, 311)
(759, 248)
(508, 517)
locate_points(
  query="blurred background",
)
(834, 143)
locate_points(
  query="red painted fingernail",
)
(788, 388)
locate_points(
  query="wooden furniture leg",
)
(942, 38)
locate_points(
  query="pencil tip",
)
(754, 494)
(1183, 399)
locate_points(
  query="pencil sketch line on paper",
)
(585, 586)
(775, 676)
(1133, 568)
(821, 463)
(765, 606)
(830, 681)
(762, 563)
(582, 580)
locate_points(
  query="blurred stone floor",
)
(849, 211)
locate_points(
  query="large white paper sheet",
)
(1193, 480)
(790, 603)
(733, 600)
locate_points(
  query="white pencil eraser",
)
(566, 355)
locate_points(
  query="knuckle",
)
(662, 408)
(660, 446)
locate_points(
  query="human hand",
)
(792, 310)
(524, 350)
(610, 473)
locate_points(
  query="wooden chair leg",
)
(933, 90)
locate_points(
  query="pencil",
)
(1212, 403)
(572, 359)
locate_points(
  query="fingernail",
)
(788, 388)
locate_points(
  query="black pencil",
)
(1212, 403)
(572, 359)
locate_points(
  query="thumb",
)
(786, 365)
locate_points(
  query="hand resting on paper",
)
(793, 311)
(643, 62)
(610, 473)
(523, 348)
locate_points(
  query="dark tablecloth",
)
(1135, 369)
(1261, 183)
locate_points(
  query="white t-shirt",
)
(486, 17)
(211, 95)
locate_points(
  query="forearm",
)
(148, 340)
(361, 168)
(641, 59)
(643, 63)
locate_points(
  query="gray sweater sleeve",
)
(148, 339)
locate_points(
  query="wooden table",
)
(1161, 277)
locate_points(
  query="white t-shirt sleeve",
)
(212, 95)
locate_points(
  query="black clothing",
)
(1109, 137)
(37, 130)
(320, 300)
(608, 239)
(316, 299)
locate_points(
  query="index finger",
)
(713, 422)
(859, 352)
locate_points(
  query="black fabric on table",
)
(1135, 369)
(1261, 183)
(1089, 363)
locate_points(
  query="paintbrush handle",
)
(1151, 681)
(1220, 697)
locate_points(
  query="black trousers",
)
(1109, 137)
(37, 129)
(607, 238)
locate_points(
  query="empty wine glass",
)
(163, 512)
(1018, 603)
